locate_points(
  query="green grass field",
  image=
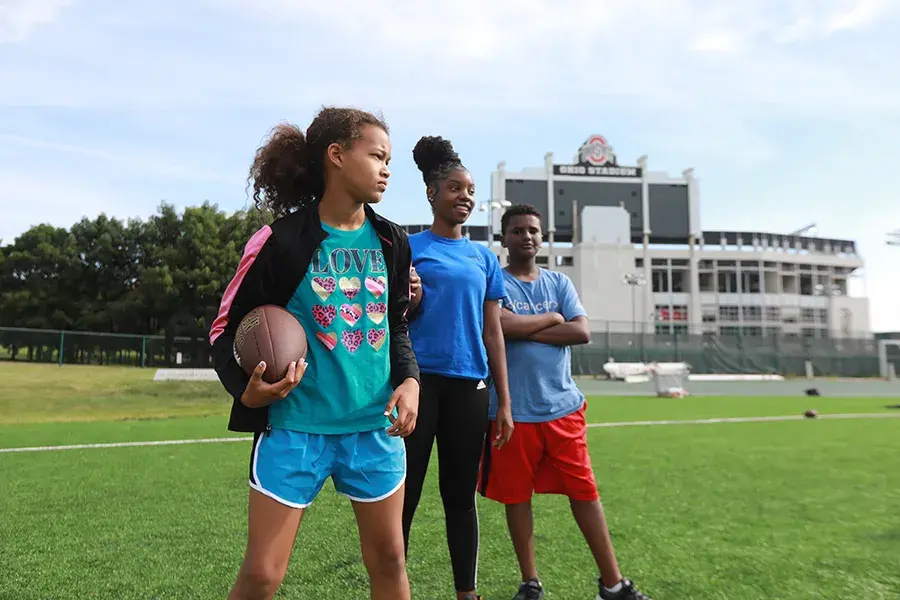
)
(790, 510)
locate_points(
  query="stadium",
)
(657, 284)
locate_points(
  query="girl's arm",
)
(415, 293)
(404, 367)
(403, 360)
(247, 290)
(496, 352)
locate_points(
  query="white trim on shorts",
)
(258, 486)
(379, 498)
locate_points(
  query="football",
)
(811, 414)
(271, 334)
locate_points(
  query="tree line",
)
(161, 276)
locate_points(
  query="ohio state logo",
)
(597, 152)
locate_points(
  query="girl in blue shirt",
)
(458, 341)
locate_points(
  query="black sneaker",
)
(530, 590)
(626, 592)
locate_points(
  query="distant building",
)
(605, 224)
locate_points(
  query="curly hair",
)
(288, 171)
(517, 210)
(436, 158)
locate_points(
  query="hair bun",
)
(433, 151)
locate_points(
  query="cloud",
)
(403, 55)
(859, 14)
(18, 18)
(134, 161)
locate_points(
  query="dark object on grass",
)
(812, 392)
(810, 414)
(893, 406)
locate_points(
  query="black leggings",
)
(455, 412)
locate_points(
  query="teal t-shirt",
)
(342, 305)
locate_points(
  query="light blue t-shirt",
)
(541, 387)
(458, 277)
(342, 305)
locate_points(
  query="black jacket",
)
(274, 263)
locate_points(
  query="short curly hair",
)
(517, 210)
(288, 171)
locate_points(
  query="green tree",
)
(163, 276)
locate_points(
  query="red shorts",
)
(540, 458)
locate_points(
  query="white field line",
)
(125, 445)
(745, 420)
(591, 425)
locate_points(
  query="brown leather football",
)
(271, 334)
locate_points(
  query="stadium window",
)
(806, 285)
(675, 313)
(680, 329)
(565, 261)
(808, 315)
(639, 263)
(727, 282)
(728, 313)
(678, 281)
(541, 260)
(750, 282)
(773, 313)
(821, 316)
(660, 280)
(752, 313)
(730, 331)
(753, 331)
(707, 283)
(662, 329)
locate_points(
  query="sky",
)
(788, 110)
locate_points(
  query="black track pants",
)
(455, 412)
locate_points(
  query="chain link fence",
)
(708, 353)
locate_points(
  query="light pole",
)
(811, 229)
(490, 207)
(830, 291)
(634, 280)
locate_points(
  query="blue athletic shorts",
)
(291, 467)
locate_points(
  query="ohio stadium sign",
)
(596, 159)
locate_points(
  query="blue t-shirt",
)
(458, 277)
(342, 305)
(541, 387)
